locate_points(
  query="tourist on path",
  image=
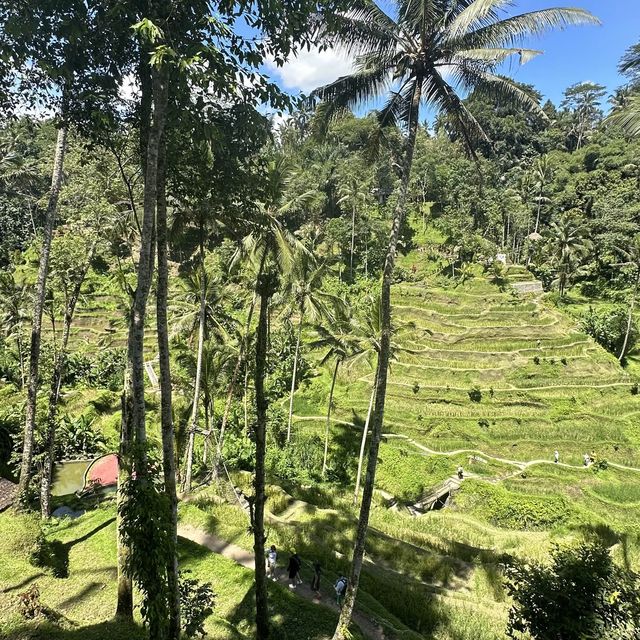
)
(294, 570)
(556, 456)
(315, 581)
(587, 460)
(341, 589)
(272, 560)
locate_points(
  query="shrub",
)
(415, 388)
(29, 604)
(483, 423)
(634, 389)
(78, 437)
(536, 360)
(196, 604)
(475, 394)
(582, 594)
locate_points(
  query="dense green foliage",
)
(514, 326)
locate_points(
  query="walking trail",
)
(369, 627)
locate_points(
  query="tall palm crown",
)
(627, 115)
(427, 50)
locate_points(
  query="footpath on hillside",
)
(370, 628)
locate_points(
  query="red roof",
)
(102, 471)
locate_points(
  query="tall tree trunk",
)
(363, 442)
(294, 375)
(342, 630)
(242, 356)
(632, 304)
(353, 242)
(257, 521)
(133, 403)
(193, 423)
(328, 425)
(56, 384)
(166, 416)
(26, 467)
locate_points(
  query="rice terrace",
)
(320, 320)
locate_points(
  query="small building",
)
(8, 492)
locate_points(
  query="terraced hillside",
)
(494, 381)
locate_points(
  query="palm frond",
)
(628, 119)
(438, 92)
(499, 88)
(477, 14)
(397, 110)
(362, 30)
(498, 55)
(630, 63)
(511, 31)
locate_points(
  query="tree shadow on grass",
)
(609, 537)
(44, 630)
(54, 554)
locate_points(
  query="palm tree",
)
(627, 115)
(417, 50)
(340, 345)
(310, 303)
(632, 255)
(542, 175)
(269, 249)
(353, 192)
(568, 244)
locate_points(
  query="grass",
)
(82, 604)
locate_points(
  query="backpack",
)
(341, 586)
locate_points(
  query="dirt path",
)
(370, 628)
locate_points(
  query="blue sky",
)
(582, 53)
(577, 54)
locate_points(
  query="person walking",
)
(294, 570)
(341, 590)
(556, 456)
(272, 560)
(460, 472)
(315, 581)
(587, 460)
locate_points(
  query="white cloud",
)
(311, 69)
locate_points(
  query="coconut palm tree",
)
(425, 51)
(310, 303)
(352, 192)
(341, 344)
(627, 116)
(269, 250)
(632, 260)
(568, 244)
(542, 175)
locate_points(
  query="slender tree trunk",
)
(632, 304)
(36, 326)
(538, 212)
(342, 630)
(353, 242)
(363, 441)
(262, 610)
(198, 381)
(20, 356)
(133, 403)
(295, 373)
(244, 352)
(328, 425)
(166, 416)
(56, 384)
